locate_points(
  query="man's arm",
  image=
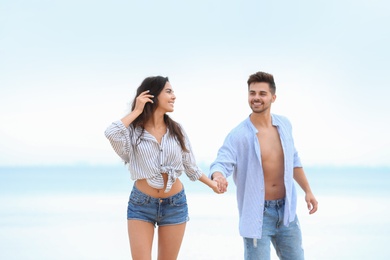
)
(224, 164)
(300, 178)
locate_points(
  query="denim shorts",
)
(158, 211)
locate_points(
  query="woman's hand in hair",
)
(141, 100)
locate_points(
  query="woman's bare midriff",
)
(144, 187)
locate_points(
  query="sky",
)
(70, 68)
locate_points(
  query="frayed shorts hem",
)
(161, 225)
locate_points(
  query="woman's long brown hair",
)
(155, 85)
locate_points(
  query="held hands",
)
(211, 183)
(221, 181)
(214, 186)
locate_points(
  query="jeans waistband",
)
(274, 203)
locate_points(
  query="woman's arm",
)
(212, 184)
(118, 133)
(119, 137)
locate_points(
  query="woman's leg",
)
(169, 241)
(141, 239)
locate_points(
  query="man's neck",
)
(261, 120)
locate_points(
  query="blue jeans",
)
(287, 241)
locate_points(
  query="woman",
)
(157, 151)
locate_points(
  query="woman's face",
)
(166, 98)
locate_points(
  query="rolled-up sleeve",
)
(119, 137)
(297, 159)
(189, 163)
(226, 158)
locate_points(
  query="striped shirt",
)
(147, 158)
(240, 155)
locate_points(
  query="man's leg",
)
(260, 249)
(288, 241)
(253, 250)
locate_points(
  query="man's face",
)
(260, 97)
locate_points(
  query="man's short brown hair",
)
(263, 77)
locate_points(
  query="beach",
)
(80, 213)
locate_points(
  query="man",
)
(261, 155)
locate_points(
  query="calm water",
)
(80, 213)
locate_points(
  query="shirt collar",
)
(146, 135)
(274, 121)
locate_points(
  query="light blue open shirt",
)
(240, 155)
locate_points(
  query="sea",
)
(79, 212)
